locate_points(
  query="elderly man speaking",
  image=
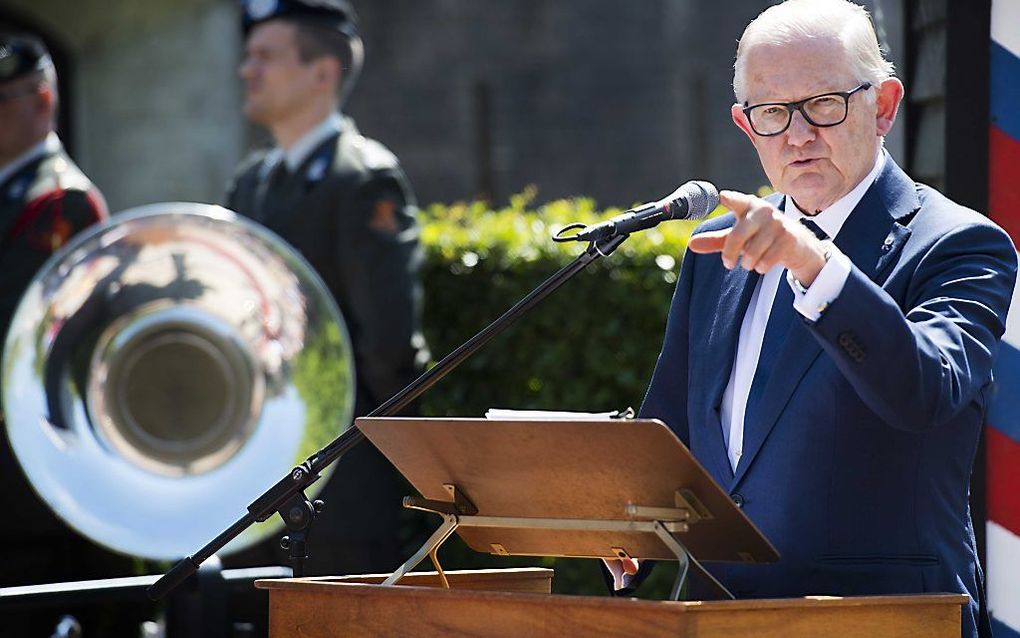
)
(829, 348)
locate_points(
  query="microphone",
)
(693, 200)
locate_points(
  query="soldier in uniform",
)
(342, 200)
(44, 197)
(44, 200)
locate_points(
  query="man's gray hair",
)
(798, 20)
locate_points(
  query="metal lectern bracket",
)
(451, 513)
(686, 499)
(461, 505)
(667, 521)
(460, 500)
(664, 522)
(430, 548)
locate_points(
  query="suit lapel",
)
(798, 351)
(875, 232)
(871, 237)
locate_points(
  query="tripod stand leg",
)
(432, 544)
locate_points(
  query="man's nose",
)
(246, 69)
(800, 131)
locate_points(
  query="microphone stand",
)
(287, 496)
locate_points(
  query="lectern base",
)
(516, 603)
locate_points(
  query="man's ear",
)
(887, 103)
(737, 113)
(327, 72)
(46, 98)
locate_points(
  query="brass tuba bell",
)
(166, 367)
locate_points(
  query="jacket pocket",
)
(872, 574)
(849, 560)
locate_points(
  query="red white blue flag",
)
(1003, 431)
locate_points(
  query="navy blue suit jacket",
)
(857, 463)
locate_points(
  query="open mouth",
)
(803, 163)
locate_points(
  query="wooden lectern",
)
(560, 488)
(499, 603)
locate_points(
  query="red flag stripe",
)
(1003, 181)
(1003, 494)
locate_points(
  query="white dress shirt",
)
(823, 291)
(303, 147)
(49, 145)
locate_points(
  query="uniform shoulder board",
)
(55, 173)
(373, 154)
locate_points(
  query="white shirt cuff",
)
(621, 578)
(814, 300)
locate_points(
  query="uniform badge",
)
(317, 169)
(17, 189)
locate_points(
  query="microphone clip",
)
(561, 236)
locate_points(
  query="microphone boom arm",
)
(287, 497)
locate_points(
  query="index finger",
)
(737, 202)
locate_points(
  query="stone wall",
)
(619, 100)
(153, 93)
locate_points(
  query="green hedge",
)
(590, 346)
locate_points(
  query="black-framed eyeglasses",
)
(824, 110)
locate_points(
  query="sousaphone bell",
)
(167, 367)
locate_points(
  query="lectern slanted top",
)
(604, 470)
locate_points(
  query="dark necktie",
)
(780, 319)
(270, 189)
(813, 227)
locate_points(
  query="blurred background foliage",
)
(590, 346)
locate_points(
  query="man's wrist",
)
(802, 278)
(812, 302)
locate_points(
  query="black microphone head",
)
(693, 200)
(696, 199)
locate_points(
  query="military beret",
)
(21, 55)
(338, 14)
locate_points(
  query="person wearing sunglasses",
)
(829, 349)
